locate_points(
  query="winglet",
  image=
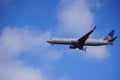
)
(94, 28)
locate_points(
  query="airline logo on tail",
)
(109, 37)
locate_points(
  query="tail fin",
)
(109, 37)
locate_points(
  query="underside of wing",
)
(82, 40)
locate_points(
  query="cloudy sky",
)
(25, 25)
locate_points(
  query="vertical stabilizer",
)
(110, 35)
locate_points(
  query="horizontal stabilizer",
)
(113, 39)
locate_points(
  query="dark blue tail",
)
(109, 37)
(111, 34)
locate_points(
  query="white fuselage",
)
(71, 41)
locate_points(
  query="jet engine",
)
(72, 47)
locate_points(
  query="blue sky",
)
(25, 25)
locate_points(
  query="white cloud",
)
(97, 53)
(52, 56)
(76, 18)
(14, 41)
(17, 71)
(17, 40)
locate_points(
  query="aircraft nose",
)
(48, 41)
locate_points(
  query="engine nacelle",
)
(72, 47)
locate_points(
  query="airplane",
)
(84, 41)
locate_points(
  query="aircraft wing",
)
(84, 38)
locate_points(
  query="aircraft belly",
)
(94, 44)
